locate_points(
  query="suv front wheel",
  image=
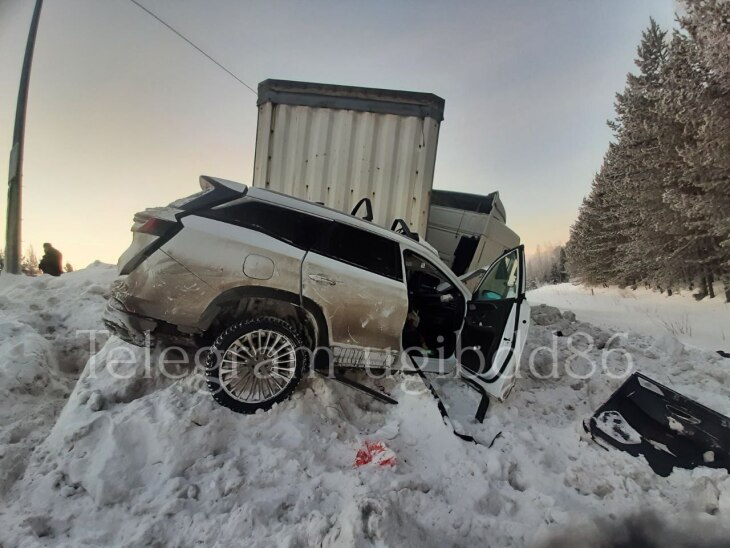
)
(254, 364)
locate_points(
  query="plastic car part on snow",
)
(375, 453)
(668, 429)
(480, 414)
(341, 378)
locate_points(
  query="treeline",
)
(659, 209)
(547, 265)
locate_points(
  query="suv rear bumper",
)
(129, 327)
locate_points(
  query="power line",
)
(192, 44)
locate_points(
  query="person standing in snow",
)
(51, 261)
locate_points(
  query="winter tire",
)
(254, 364)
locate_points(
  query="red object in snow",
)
(374, 452)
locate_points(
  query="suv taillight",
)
(162, 231)
(156, 227)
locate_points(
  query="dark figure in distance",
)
(51, 261)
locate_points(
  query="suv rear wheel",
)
(254, 364)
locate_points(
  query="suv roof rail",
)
(368, 209)
(399, 226)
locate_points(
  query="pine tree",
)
(649, 229)
(562, 265)
(682, 107)
(701, 103)
(29, 263)
(591, 249)
(619, 236)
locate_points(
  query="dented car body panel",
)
(163, 288)
(228, 249)
(363, 309)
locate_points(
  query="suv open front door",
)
(489, 345)
(496, 324)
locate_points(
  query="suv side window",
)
(291, 226)
(362, 249)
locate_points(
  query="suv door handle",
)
(318, 278)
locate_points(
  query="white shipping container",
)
(339, 144)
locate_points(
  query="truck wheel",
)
(254, 364)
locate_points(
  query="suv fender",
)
(313, 314)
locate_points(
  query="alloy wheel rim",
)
(258, 366)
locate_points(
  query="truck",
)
(468, 230)
(339, 145)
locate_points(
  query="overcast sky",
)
(124, 115)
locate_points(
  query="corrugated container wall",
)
(338, 144)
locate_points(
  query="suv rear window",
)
(362, 249)
(288, 225)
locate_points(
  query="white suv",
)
(276, 284)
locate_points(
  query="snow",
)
(128, 456)
(613, 424)
(43, 348)
(704, 324)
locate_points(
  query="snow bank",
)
(704, 324)
(42, 350)
(149, 459)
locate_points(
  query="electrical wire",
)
(192, 44)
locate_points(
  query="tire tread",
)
(222, 342)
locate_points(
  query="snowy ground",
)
(150, 460)
(704, 324)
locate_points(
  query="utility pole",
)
(15, 177)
